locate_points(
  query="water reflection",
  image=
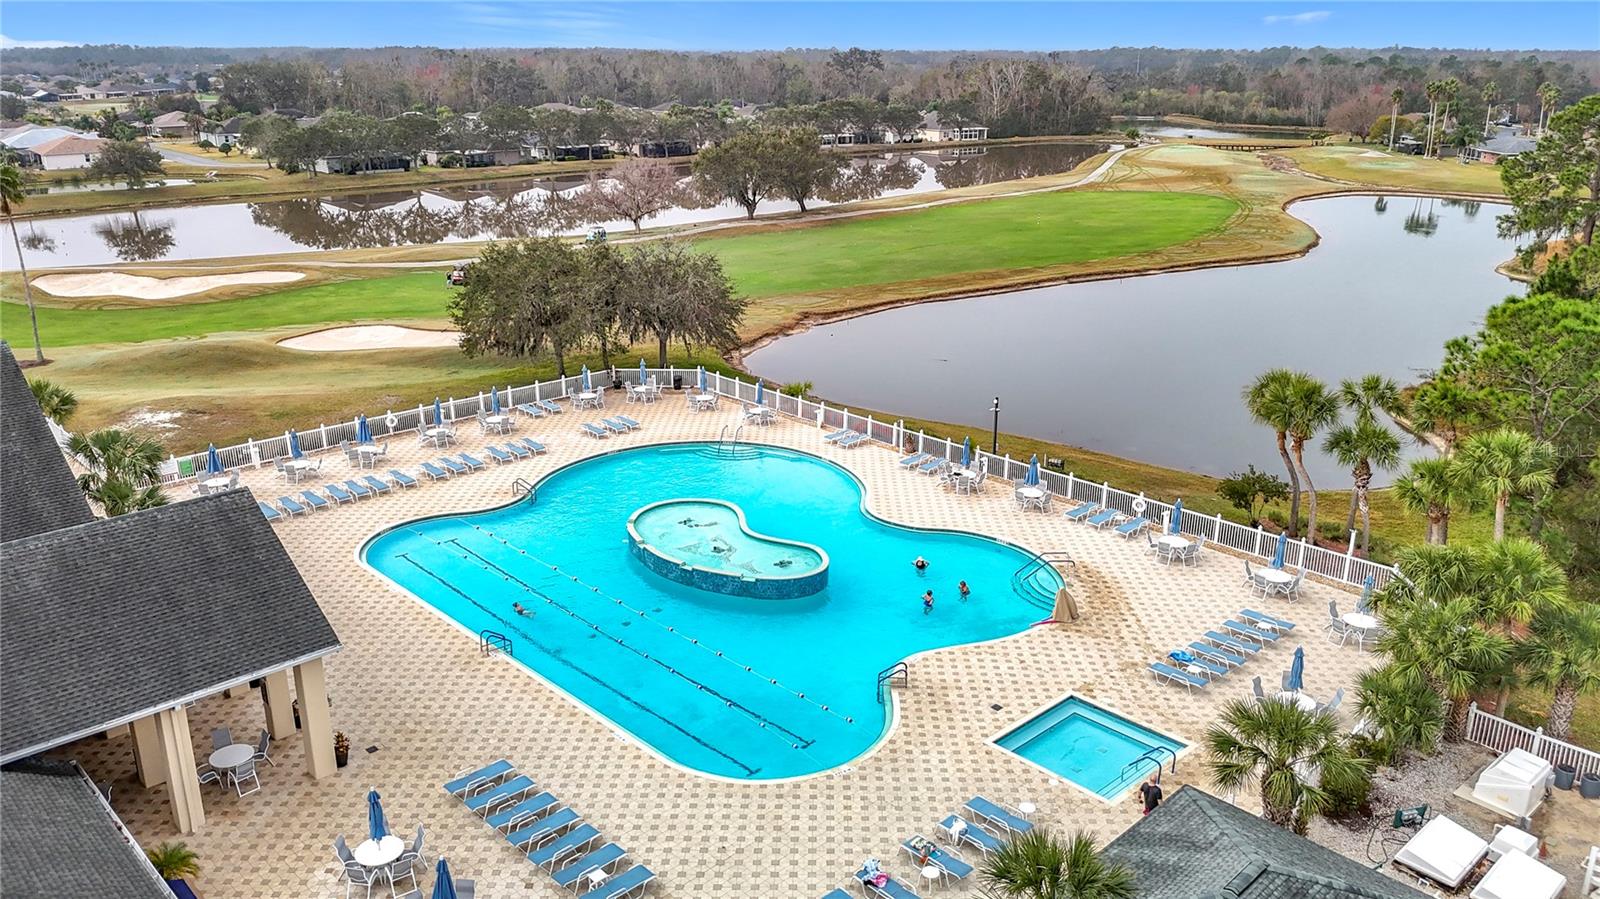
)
(492, 209)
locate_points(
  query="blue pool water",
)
(1088, 745)
(721, 684)
(706, 543)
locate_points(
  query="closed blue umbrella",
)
(375, 823)
(1032, 479)
(761, 392)
(444, 887)
(1364, 606)
(586, 384)
(1283, 546)
(966, 453)
(494, 400)
(643, 375)
(363, 431)
(702, 378)
(294, 445)
(438, 413)
(213, 461)
(1297, 670)
(1176, 526)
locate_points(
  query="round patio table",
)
(1359, 620)
(930, 873)
(377, 853)
(231, 756)
(1274, 575)
(1174, 541)
(217, 483)
(1305, 701)
(1030, 493)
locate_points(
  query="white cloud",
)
(1302, 18)
(560, 23)
(7, 43)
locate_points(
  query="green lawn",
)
(1009, 233)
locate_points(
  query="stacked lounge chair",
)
(1229, 647)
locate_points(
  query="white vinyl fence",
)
(1340, 568)
(1501, 735)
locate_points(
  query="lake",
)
(1169, 129)
(491, 209)
(1151, 368)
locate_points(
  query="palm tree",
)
(12, 192)
(1444, 645)
(1271, 402)
(124, 470)
(1296, 757)
(1549, 95)
(1490, 95)
(1433, 90)
(1035, 865)
(1360, 447)
(1365, 399)
(1403, 713)
(1435, 488)
(174, 861)
(1446, 409)
(1562, 653)
(1514, 581)
(1447, 92)
(1313, 408)
(56, 402)
(1508, 462)
(1395, 97)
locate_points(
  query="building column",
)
(311, 688)
(148, 755)
(235, 691)
(183, 783)
(278, 704)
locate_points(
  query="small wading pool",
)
(1090, 747)
(706, 544)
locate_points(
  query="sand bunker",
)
(139, 287)
(1375, 153)
(370, 337)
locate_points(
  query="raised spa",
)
(706, 544)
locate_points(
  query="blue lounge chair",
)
(594, 431)
(375, 484)
(891, 889)
(1217, 654)
(434, 472)
(972, 835)
(338, 494)
(268, 512)
(515, 449)
(630, 423)
(1133, 526)
(933, 465)
(452, 465)
(531, 410)
(1081, 512)
(852, 440)
(838, 435)
(1103, 517)
(1213, 670)
(535, 446)
(508, 819)
(401, 479)
(615, 427)
(998, 815)
(488, 775)
(913, 460)
(569, 844)
(635, 878)
(948, 862)
(598, 860)
(537, 832)
(486, 802)
(499, 455)
(314, 501)
(1171, 675)
(1259, 618)
(547, 405)
(837, 894)
(1231, 644)
(358, 489)
(290, 506)
(1239, 628)
(470, 461)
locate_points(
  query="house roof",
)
(1508, 143)
(40, 494)
(111, 620)
(49, 807)
(234, 125)
(29, 136)
(1196, 846)
(174, 119)
(564, 107)
(69, 146)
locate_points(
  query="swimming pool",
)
(706, 543)
(751, 690)
(1089, 746)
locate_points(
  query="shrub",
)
(174, 861)
(1348, 797)
(798, 388)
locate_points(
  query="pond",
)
(1151, 368)
(493, 209)
(1170, 129)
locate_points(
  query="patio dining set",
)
(232, 764)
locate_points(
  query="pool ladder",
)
(887, 676)
(1024, 580)
(522, 487)
(1152, 755)
(494, 643)
(728, 445)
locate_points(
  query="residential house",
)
(43, 96)
(474, 159)
(72, 152)
(935, 130)
(532, 149)
(1505, 144)
(173, 125)
(22, 139)
(1196, 845)
(661, 149)
(229, 132)
(357, 165)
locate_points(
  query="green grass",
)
(1010, 233)
(1364, 164)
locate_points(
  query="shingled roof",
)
(60, 839)
(1196, 846)
(37, 490)
(108, 621)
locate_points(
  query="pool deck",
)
(416, 687)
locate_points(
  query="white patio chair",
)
(246, 772)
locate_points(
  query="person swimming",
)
(964, 590)
(927, 602)
(519, 609)
(920, 564)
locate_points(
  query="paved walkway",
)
(415, 688)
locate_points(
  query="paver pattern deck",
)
(415, 687)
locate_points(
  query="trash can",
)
(677, 382)
(1565, 775)
(1589, 786)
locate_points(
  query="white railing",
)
(1501, 735)
(1591, 874)
(1344, 568)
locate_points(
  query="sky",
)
(744, 25)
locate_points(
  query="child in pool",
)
(964, 590)
(920, 564)
(927, 602)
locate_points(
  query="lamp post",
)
(994, 444)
